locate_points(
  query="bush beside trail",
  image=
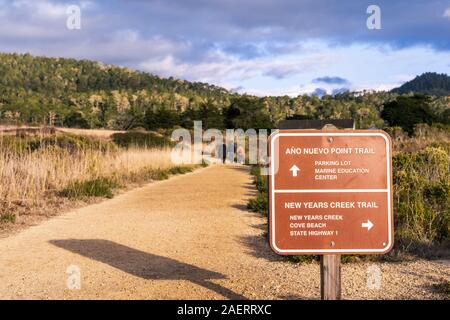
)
(422, 198)
(260, 202)
(105, 186)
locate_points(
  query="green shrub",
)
(8, 217)
(261, 184)
(422, 197)
(72, 143)
(100, 187)
(304, 258)
(180, 170)
(141, 139)
(259, 180)
(159, 175)
(258, 204)
(441, 145)
(255, 171)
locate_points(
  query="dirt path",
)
(188, 237)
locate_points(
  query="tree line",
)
(89, 94)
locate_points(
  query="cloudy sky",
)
(256, 46)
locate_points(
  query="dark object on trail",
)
(316, 124)
(221, 152)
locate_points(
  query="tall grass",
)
(422, 197)
(141, 139)
(424, 136)
(28, 175)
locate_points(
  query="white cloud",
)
(127, 35)
(447, 13)
(42, 9)
(219, 67)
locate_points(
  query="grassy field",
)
(95, 133)
(40, 170)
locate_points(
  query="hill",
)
(430, 83)
(88, 94)
(48, 90)
(58, 75)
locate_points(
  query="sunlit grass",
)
(28, 177)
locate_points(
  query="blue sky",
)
(263, 47)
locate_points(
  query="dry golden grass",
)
(424, 136)
(99, 133)
(96, 133)
(27, 179)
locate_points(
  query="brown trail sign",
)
(330, 192)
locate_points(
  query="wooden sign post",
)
(330, 266)
(330, 277)
(330, 194)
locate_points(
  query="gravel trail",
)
(189, 237)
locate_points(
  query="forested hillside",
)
(428, 83)
(55, 91)
(88, 94)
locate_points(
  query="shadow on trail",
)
(257, 245)
(240, 206)
(145, 265)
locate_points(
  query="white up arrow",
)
(294, 170)
(368, 225)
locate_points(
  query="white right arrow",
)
(294, 170)
(368, 225)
